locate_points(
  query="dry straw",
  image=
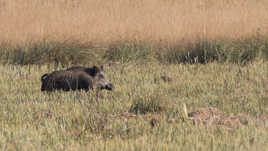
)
(151, 20)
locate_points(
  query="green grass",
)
(47, 52)
(32, 120)
(240, 51)
(127, 51)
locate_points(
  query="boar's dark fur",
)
(66, 80)
(75, 78)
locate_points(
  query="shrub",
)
(149, 104)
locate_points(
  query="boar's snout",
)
(109, 87)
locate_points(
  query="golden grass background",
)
(103, 21)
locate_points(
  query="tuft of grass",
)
(87, 123)
(149, 104)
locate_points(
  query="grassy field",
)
(31, 120)
(188, 75)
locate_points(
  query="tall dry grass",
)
(108, 21)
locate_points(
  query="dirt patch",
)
(212, 116)
(207, 114)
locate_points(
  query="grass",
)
(145, 20)
(127, 51)
(167, 60)
(203, 51)
(31, 120)
(154, 103)
(69, 52)
(45, 52)
(88, 32)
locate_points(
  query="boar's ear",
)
(44, 77)
(94, 71)
(101, 67)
